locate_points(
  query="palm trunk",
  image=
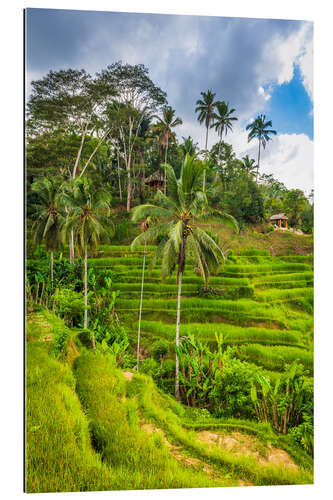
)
(165, 160)
(177, 334)
(85, 321)
(140, 311)
(258, 161)
(204, 173)
(128, 168)
(51, 264)
(71, 248)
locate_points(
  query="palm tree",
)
(205, 108)
(189, 146)
(178, 216)
(223, 119)
(165, 125)
(259, 129)
(49, 217)
(88, 222)
(249, 164)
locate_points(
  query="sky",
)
(256, 65)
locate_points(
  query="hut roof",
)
(278, 217)
(155, 177)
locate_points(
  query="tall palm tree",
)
(48, 215)
(178, 216)
(205, 108)
(88, 219)
(165, 125)
(259, 129)
(223, 119)
(249, 164)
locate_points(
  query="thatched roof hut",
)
(278, 218)
(155, 181)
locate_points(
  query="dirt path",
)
(243, 444)
(181, 456)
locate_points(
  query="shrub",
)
(159, 350)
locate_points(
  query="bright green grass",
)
(274, 357)
(116, 431)
(232, 334)
(152, 405)
(283, 295)
(59, 456)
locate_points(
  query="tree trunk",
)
(119, 181)
(128, 168)
(71, 248)
(78, 155)
(140, 311)
(165, 160)
(177, 334)
(258, 160)
(204, 173)
(51, 264)
(85, 321)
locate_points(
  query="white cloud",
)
(306, 67)
(289, 157)
(263, 93)
(281, 55)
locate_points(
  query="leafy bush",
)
(303, 434)
(159, 350)
(230, 396)
(69, 304)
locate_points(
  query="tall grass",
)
(245, 467)
(277, 295)
(142, 461)
(232, 334)
(59, 456)
(275, 357)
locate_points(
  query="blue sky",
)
(257, 65)
(291, 107)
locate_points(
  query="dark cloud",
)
(185, 54)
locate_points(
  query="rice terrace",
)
(169, 289)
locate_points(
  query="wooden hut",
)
(155, 182)
(279, 220)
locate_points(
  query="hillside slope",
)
(91, 426)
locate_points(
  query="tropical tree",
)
(177, 230)
(223, 119)
(189, 146)
(249, 164)
(89, 220)
(164, 126)
(48, 216)
(137, 98)
(260, 129)
(205, 108)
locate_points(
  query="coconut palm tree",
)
(259, 129)
(177, 217)
(49, 217)
(189, 146)
(205, 108)
(249, 164)
(89, 220)
(223, 119)
(164, 126)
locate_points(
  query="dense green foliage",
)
(231, 334)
